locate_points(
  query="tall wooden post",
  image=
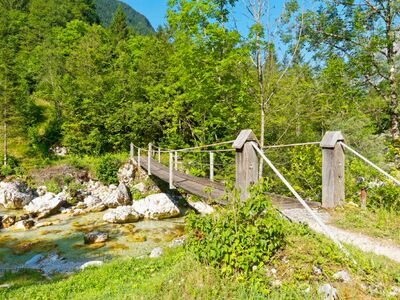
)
(171, 171)
(176, 160)
(138, 159)
(149, 154)
(211, 166)
(132, 151)
(246, 162)
(332, 169)
(159, 155)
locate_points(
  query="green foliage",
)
(302, 167)
(11, 168)
(107, 169)
(73, 190)
(381, 192)
(136, 194)
(241, 238)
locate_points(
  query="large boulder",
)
(15, 195)
(46, 205)
(126, 173)
(201, 207)
(121, 214)
(156, 207)
(119, 196)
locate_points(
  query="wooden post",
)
(159, 155)
(176, 160)
(138, 159)
(171, 171)
(363, 198)
(132, 151)
(149, 159)
(246, 162)
(332, 169)
(211, 166)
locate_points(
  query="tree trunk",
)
(5, 136)
(391, 54)
(262, 102)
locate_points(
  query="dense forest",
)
(67, 80)
(106, 9)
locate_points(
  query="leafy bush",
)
(381, 193)
(10, 168)
(107, 169)
(241, 238)
(302, 167)
(73, 190)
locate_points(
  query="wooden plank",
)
(244, 136)
(331, 138)
(199, 186)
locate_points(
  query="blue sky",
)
(155, 11)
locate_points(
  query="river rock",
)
(46, 205)
(121, 215)
(95, 237)
(94, 263)
(126, 173)
(201, 207)
(22, 217)
(15, 195)
(31, 263)
(343, 276)
(24, 225)
(179, 241)
(119, 196)
(141, 187)
(41, 190)
(8, 221)
(328, 291)
(156, 252)
(43, 224)
(156, 207)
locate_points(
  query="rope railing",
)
(291, 145)
(326, 230)
(173, 157)
(370, 163)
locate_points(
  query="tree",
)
(365, 34)
(119, 26)
(11, 23)
(262, 52)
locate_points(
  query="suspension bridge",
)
(248, 154)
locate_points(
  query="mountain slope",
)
(105, 9)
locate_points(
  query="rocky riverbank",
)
(60, 232)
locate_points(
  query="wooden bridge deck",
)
(207, 189)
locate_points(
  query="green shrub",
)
(73, 190)
(381, 192)
(302, 167)
(242, 238)
(10, 168)
(136, 194)
(107, 169)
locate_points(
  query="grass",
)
(379, 223)
(177, 275)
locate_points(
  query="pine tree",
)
(119, 26)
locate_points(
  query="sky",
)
(155, 11)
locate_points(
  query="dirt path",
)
(361, 241)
